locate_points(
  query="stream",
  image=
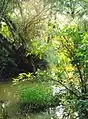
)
(8, 94)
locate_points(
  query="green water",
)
(8, 94)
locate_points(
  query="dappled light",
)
(43, 59)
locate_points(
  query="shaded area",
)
(14, 60)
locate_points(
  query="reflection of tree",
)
(4, 113)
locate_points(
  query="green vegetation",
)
(46, 41)
(37, 97)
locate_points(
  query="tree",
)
(16, 31)
(30, 40)
(75, 47)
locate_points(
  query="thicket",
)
(37, 97)
(52, 44)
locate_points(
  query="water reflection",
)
(8, 94)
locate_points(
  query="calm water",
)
(8, 93)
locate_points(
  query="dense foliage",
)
(37, 97)
(47, 40)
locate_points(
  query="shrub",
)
(37, 96)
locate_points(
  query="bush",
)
(38, 96)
